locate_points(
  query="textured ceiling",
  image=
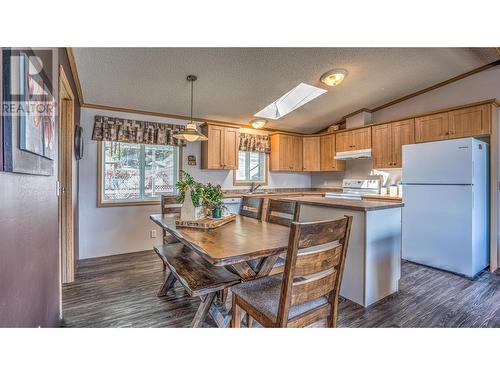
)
(235, 83)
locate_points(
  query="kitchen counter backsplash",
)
(279, 190)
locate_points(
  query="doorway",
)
(65, 177)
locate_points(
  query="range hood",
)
(356, 154)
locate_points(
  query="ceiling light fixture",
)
(258, 123)
(333, 77)
(190, 132)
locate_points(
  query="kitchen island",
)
(373, 263)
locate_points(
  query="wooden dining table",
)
(247, 247)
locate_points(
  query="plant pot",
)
(217, 213)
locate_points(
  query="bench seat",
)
(196, 275)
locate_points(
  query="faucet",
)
(254, 187)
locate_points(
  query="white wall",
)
(115, 230)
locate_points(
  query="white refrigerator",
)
(445, 218)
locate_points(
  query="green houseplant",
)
(197, 189)
(213, 199)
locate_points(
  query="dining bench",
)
(198, 277)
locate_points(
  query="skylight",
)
(293, 99)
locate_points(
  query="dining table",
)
(245, 246)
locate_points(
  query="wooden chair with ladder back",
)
(308, 290)
(251, 207)
(169, 205)
(281, 212)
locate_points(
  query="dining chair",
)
(251, 207)
(282, 212)
(308, 290)
(169, 205)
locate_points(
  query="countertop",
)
(383, 197)
(348, 204)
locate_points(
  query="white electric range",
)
(354, 188)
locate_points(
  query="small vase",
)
(216, 213)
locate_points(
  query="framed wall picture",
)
(28, 115)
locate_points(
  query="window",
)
(137, 172)
(251, 168)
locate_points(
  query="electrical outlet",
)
(153, 233)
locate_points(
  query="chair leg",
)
(167, 285)
(249, 320)
(222, 296)
(202, 311)
(236, 314)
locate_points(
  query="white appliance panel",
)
(444, 162)
(437, 227)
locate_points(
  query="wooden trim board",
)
(74, 73)
(66, 212)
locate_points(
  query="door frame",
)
(66, 127)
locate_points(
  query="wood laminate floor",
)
(120, 291)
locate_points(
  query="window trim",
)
(101, 203)
(249, 183)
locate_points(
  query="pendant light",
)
(190, 132)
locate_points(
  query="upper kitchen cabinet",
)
(311, 154)
(286, 152)
(327, 154)
(356, 139)
(387, 143)
(460, 123)
(469, 121)
(221, 149)
(431, 128)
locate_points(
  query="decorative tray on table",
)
(206, 223)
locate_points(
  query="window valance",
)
(255, 143)
(133, 131)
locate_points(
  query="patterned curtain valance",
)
(255, 143)
(132, 131)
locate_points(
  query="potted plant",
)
(189, 187)
(213, 200)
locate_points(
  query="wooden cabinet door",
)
(230, 148)
(402, 133)
(311, 154)
(214, 152)
(362, 138)
(327, 154)
(296, 155)
(469, 121)
(281, 153)
(343, 141)
(382, 148)
(431, 128)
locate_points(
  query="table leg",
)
(201, 313)
(266, 266)
(243, 270)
